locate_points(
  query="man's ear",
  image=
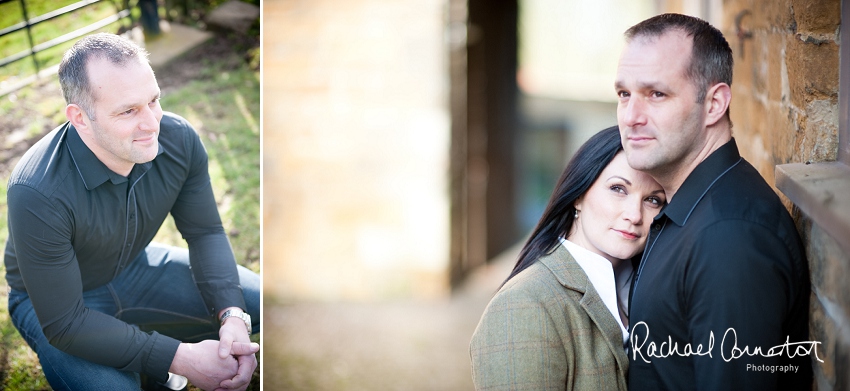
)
(717, 100)
(77, 116)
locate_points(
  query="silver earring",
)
(576, 214)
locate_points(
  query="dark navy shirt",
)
(723, 258)
(74, 225)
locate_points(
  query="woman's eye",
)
(655, 201)
(618, 189)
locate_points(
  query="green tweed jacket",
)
(547, 329)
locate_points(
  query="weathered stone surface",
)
(829, 326)
(830, 268)
(780, 133)
(812, 70)
(821, 131)
(774, 64)
(829, 322)
(822, 329)
(778, 15)
(817, 17)
(842, 360)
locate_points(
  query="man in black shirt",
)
(89, 292)
(720, 298)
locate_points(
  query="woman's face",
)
(616, 212)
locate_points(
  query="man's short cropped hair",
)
(73, 76)
(711, 57)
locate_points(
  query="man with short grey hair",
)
(724, 267)
(92, 295)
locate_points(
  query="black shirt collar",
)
(699, 181)
(93, 172)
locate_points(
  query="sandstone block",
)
(816, 17)
(812, 70)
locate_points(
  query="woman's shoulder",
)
(537, 283)
(538, 307)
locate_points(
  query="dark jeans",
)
(157, 292)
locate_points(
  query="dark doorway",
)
(484, 131)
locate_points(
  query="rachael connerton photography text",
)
(729, 349)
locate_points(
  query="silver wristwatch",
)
(239, 314)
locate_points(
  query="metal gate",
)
(122, 11)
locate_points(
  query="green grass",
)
(223, 103)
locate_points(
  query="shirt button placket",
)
(131, 227)
(131, 219)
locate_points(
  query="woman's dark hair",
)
(557, 220)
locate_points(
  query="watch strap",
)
(238, 313)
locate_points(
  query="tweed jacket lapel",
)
(572, 276)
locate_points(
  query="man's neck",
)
(672, 180)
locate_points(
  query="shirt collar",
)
(701, 179)
(92, 171)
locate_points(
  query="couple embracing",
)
(657, 222)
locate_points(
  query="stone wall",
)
(785, 87)
(785, 110)
(830, 324)
(355, 146)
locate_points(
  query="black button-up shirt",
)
(723, 258)
(74, 225)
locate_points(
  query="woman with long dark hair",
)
(559, 321)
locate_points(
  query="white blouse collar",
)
(601, 274)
